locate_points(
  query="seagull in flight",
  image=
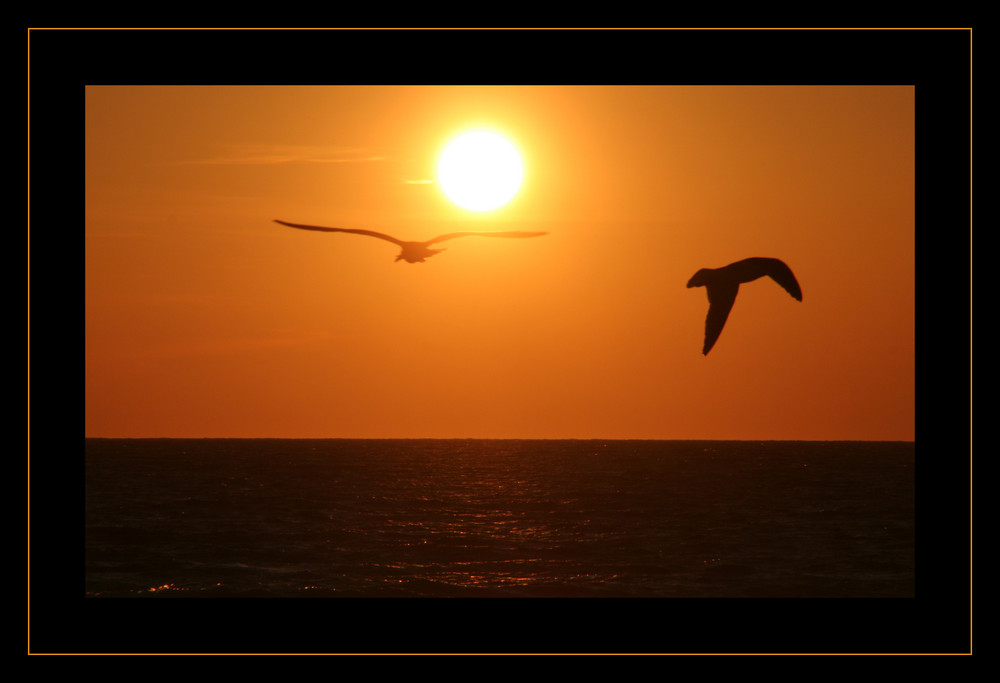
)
(723, 283)
(415, 252)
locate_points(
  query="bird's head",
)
(700, 279)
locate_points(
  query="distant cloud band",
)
(269, 155)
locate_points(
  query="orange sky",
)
(206, 319)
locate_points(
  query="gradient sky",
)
(204, 318)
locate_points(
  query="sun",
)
(480, 170)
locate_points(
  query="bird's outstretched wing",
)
(508, 233)
(780, 273)
(370, 233)
(721, 296)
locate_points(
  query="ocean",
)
(455, 518)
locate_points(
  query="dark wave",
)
(508, 518)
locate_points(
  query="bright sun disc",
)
(480, 170)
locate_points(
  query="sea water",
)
(498, 518)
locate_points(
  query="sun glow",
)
(480, 170)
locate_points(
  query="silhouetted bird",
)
(416, 252)
(723, 283)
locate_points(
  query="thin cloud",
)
(263, 155)
(272, 155)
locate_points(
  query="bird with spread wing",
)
(723, 284)
(415, 252)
